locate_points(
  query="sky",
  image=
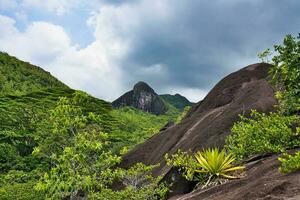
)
(104, 47)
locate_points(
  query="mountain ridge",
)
(19, 77)
(176, 100)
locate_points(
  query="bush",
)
(186, 164)
(262, 133)
(289, 163)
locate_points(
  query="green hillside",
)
(38, 113)
(18, 77)
(177, 100)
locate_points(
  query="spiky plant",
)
(216, 163)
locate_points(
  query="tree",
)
(80, 162)
(76, 150)
(81, 169)
(285, 73)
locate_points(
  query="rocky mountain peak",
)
(142, 97)
(142, 86)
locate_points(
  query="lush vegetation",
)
(289, 163)
(134, 126)
(204, 166)
(71, 156)
(274, 132)
(73, 146)
(261, 133)
(65, 143)
(18, 77)
(286, 74)
(58, 143)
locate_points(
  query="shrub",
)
(216, 163)
(186, 164)
(289, 163)
(138, 184)
(263, 133)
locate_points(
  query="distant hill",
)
(27, 89)
(19, 77)
(177, 100)
(142, 97)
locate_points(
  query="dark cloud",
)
(202, 41)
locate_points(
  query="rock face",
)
(208, 122)
(142, 97)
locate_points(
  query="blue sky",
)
(105, 46)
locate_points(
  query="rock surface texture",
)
(142, 97)
(208, 122)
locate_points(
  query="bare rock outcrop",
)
(208, 122)
(142, 97)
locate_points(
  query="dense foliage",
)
(74, 148)
(78, 155)
(186, 165)
(274, 132)
(286, 73)
(289, 163)
(134, 126)
(262, 133)
(66, 143)
(20, 191)
(18, 77)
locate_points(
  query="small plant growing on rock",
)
(205, 166)
(215, 163)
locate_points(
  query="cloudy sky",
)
(177, 46)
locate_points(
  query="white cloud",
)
(7, 27)
(40, 43)
(98, 68)
(92, 69)
(59, 7)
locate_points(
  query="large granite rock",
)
(142, 97)
(208, 122)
